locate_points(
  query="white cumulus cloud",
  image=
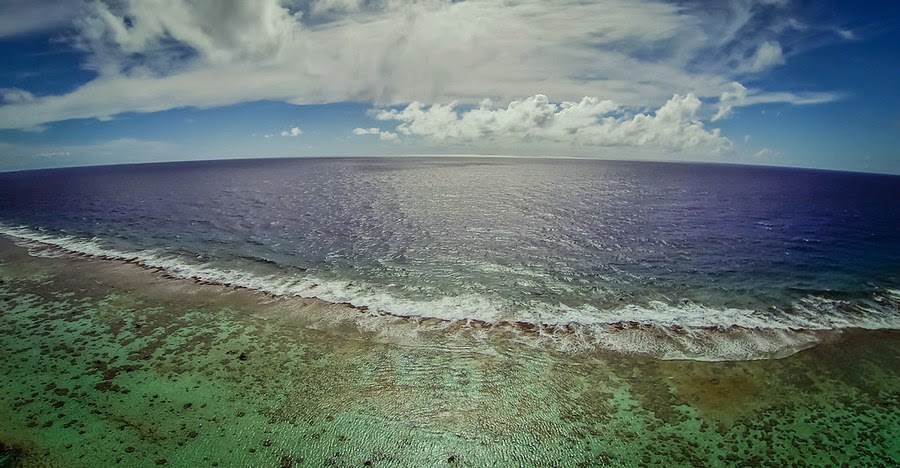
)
(590, 121)
(388, 136)
(292, 132)
(382, 135)
(366, 131)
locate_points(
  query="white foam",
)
(683, 331)
(308, 286)
(731, 344)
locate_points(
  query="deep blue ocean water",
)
(694, 248)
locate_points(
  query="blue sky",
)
(776, 82)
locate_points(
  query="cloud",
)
(767, 153)
(157, 55)
(846, 34)
(366, 131)
(767, 56)
(20, 17)
(15, 95)
(740, 96)
(729, 99)
(292, 132)
(139, 36)
(382, 135)
(52, 154)
(388, 136)
(841, 32)
(589, 122)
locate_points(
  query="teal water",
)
(107, 364)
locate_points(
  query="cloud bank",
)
(589, 122)
(154, 55)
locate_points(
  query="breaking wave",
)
(685, 330)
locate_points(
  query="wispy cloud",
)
(845, 34)
(768, 55)
(18, 17)
(767, 153)
(53, 154)
(740, 96)
(153, 56)
(15, 96)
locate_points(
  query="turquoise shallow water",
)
(107, 364)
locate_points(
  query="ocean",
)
(764, 259)
(649, 271)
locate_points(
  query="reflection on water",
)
(713, 262)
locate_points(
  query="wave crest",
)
(683, 331)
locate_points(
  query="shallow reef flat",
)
(105, 364)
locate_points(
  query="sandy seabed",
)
(105, 364)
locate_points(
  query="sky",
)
(772, 82)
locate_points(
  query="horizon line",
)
(459, 156)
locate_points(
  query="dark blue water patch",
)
(517, 232)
